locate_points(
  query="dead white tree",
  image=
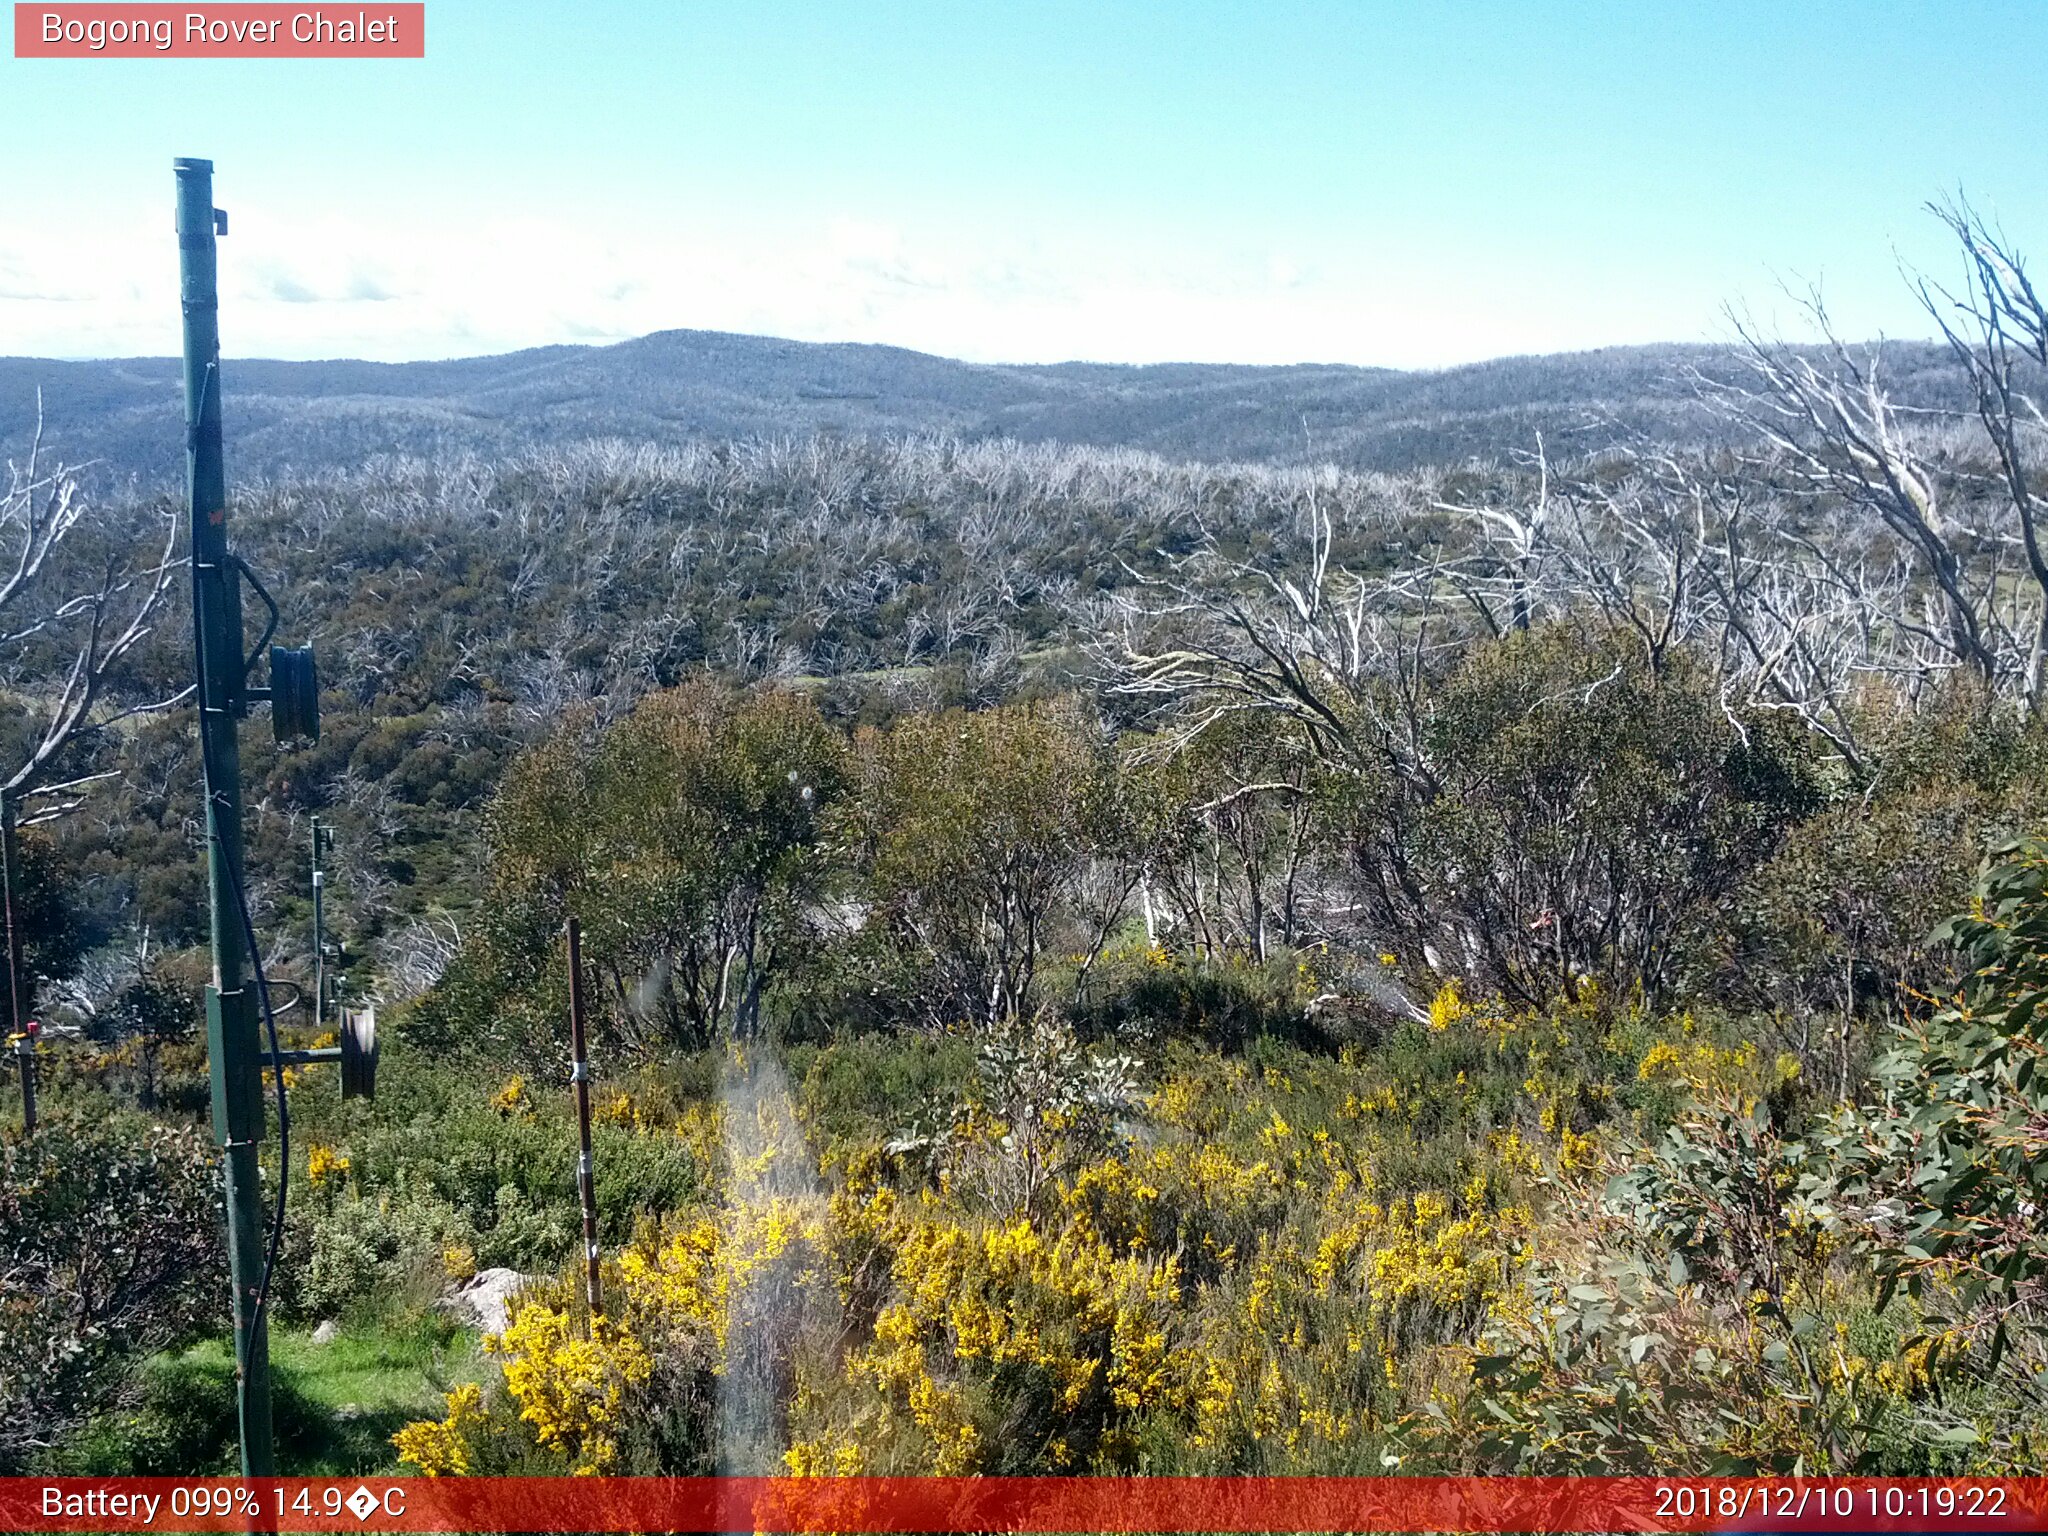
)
(1834, 433)
(1501, 579)
(84, 601)
(418, 957)
(1680, 553)
(1996, 327)
(1223, 635)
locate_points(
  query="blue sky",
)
(1409, 184)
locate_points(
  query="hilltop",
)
(286, 418)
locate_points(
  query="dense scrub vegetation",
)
(1106, 964)
(987, 1091)
(1104, 1146)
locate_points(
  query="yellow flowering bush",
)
(1447, 1007)
(511, 1097)
(442, 1447)
(998, 1341)
(571, 1385)
(681, 1311)
(324, 1165)
(1280, 1261)
(1699, 1064)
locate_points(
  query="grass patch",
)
(334, 1406)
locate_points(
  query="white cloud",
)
(332, 289)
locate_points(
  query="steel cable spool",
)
(358, 1053)
(294, 693)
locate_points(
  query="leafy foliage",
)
(110, 1248)
(1950, 1164)
(974, 833)
(686, 841)
(1567, 812)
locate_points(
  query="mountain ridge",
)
(288, 417)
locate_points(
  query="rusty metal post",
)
(579, 1080)
(19, 1027)
(10, 878)
(25, 1055)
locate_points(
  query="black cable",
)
(233, 877)
(284, 1114)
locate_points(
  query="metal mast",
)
(233, 1048)
(323, 837)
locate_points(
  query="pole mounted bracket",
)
(294, 691)
(356, 1054)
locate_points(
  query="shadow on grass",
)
(334, 1406)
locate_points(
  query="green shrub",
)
(352, 1250)
(1141, 995)
(1562, 811)
(111, 1246)
(1945, 1177)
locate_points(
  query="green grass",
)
(368, 1377)
(334, 1408)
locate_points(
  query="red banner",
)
(238, 31)
(1033, 1504)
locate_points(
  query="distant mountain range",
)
(284, 418)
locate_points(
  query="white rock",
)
(484, 1301)
(327, 1332)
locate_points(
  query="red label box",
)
(236, 31)
(1129, 1506)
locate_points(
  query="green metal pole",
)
(231, 1014)
(319, 931)
(319, 939)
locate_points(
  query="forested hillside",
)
(679, 386)
(1099, 959)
